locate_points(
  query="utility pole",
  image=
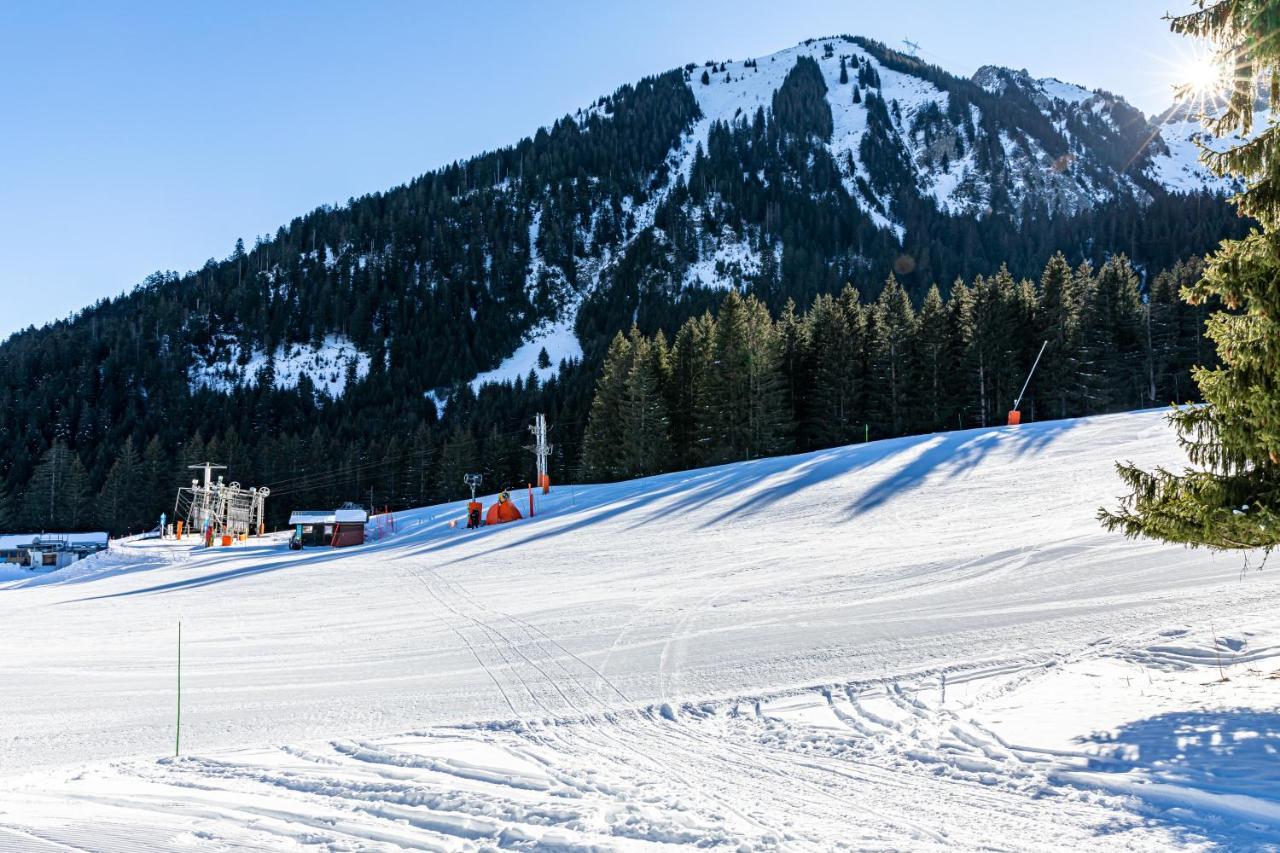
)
(541, 449)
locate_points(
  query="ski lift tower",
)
(542, 450)
(258, 511)
(206, 493)
(224, 508)
(912, 48)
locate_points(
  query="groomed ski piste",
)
(923, 643)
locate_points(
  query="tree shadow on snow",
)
(293, 560)
(764, 482)
(952, 454)
(626, 499)
(1191, 770)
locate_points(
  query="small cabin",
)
(49, 551)
(335, 527)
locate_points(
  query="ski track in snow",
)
(923, 643)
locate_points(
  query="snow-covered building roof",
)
(14, 541)
(333, 516)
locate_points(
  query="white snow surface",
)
(558, 339)
(926, 643)
(1181, 169)
(1067, 92)
(326, 364)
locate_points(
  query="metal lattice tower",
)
(541, 449)
(225, 508)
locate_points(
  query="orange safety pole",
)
(531, 500)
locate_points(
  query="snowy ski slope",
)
(923, 643)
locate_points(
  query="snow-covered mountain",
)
(1065, 147)
(908, 142)
(1001, 142)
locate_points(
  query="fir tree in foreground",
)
(1230, 499)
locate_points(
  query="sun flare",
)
(1203, 75)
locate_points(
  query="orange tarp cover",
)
(501, 512)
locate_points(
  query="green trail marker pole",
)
(866, 433)
(177, 735)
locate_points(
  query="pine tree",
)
(417, 475)
(745, 419)
(1025, 310)
(457, 459)
(794, 364)
(990, 351)
(1114, 337)
(157, 488)
(935, 355)
(77, 496)
(1086, 395)
(1232, 498)
(972, 408)
(10, 516)
(771, 428)
(1175, 332)
(500, 460)
(117, 508)
(1059, 324)
(56, 498)
(838, 330)
(691, 362)
(892, 332)
(644, 447)
(602, 442)
(844, 72)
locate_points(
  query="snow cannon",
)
(474, 508)
(1015, 416)
(503, 511)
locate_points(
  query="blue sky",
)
(145, 136)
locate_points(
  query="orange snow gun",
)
(1015, 416)
(503, 511)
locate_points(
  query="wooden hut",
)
(336, 527)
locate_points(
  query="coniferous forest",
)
(846, 331)
(741, 383)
